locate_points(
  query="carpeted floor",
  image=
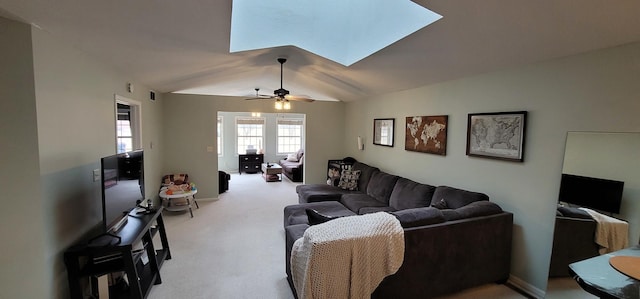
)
(234, 247)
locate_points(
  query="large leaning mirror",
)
(611, 159)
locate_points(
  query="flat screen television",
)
(122, 187)
(595, 193)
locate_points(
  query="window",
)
(289, 135)
(123, 129)
(220, 136)
(128, 126)
(250, 132)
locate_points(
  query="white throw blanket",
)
(347, 257)
(611, 234)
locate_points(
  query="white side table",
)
(173, 205)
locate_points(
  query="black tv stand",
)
(89, 260)
(105, 239)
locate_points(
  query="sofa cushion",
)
(314, 217)
(286, 164)
(381, 185)
(440, 204)
(479, 208)
(296, 214)
(292, 157)
(574, 213)
(349, 179)
(419, 216)
(319, 192)
(450, 214)
(456, 198)
(356, 201)
(407, 194)
(365, 174)
(369, 210)
(474, 209)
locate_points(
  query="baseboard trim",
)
(525, 288)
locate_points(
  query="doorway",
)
(128, 124)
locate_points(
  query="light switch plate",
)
(96, 175)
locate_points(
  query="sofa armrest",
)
(573, 240)
(437, 257)
(419, 216)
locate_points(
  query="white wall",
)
(190, 122)
(22, 232)
(614, 156)
(598, 91)
(59, 120)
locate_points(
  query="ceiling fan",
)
(281, 94)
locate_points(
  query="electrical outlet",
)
(96, 175)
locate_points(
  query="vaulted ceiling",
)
(184, 45)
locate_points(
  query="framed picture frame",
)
(497, 135)
(383, 129)
(426, 134)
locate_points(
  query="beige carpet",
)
(566, 288)
(234, 247)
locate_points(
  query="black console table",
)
(135, 255)
(250, 163)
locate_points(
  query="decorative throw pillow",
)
(292, 158)
(349, 179)
(314, 217)
(440, 204)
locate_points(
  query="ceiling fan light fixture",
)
(278, 105)
(287, 105)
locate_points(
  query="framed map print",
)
(498, 135)
(427, 134)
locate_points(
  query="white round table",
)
(173, 205)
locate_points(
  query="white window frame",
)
(220, 128)
(289, 121)
(261, 139)
(136, 120)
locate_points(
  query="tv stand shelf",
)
(94, 259)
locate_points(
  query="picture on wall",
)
(498, 135)
(426, 134)
(383, 131)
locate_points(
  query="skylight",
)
(339, 30)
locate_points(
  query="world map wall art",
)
(498, 135)
(427, 134)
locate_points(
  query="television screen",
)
(122, 187)
(595, 193)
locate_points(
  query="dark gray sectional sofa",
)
(454, 239)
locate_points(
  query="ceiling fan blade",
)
(261, 98)
(299, 98)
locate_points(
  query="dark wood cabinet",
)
(250, 163)
(130, 166)
(135, 255)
